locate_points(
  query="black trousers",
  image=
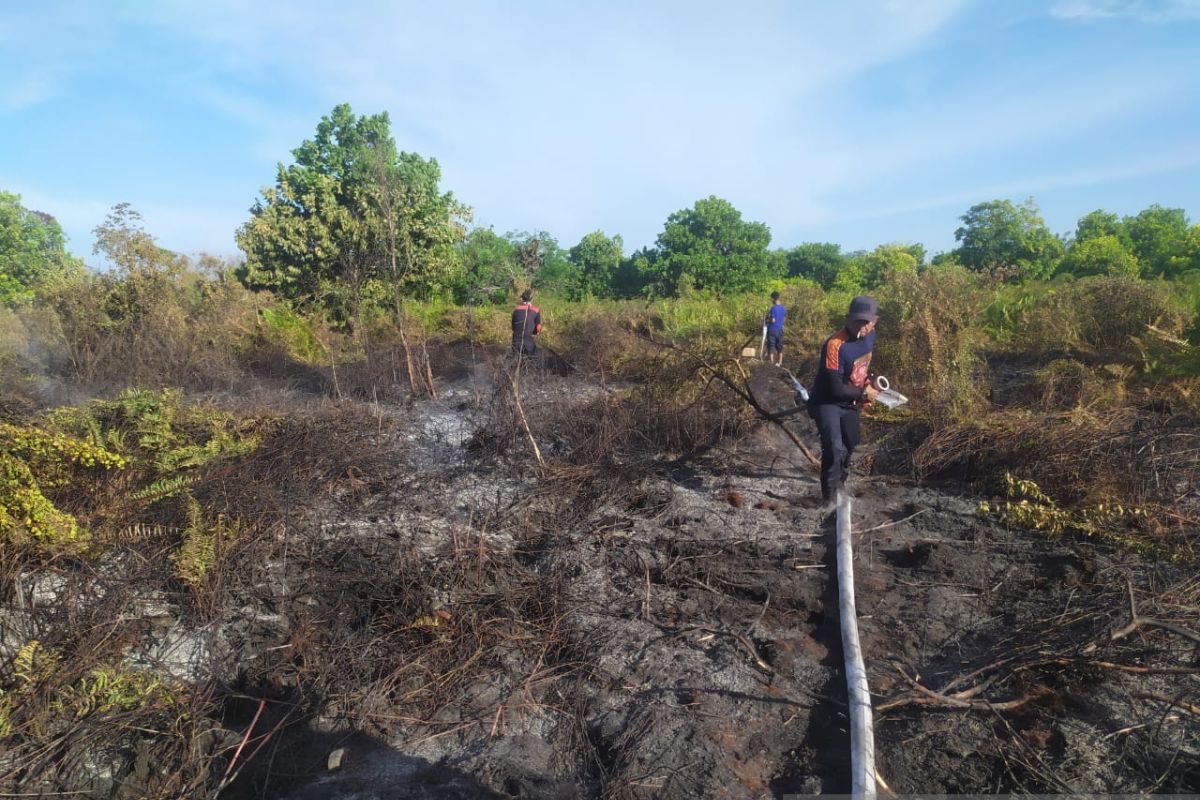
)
(839, 436)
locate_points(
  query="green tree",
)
(1160, 238)
(637, 275)
(597, 258)
(543, 263)
(32, 249)
(124, 242)
(999, 233)
(489, 267)
(817, 261)
(887, 261)
(713, 247)
(351, 210)
(1100, 223)
(421, 225)
(1103, 254)
(147, 275)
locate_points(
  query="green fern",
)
(164, 488)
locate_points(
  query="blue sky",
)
(854, 122)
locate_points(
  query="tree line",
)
(355, 223)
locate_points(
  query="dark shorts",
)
(775, 342)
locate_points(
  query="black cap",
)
(863, 309)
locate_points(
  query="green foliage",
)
(27, 516)
(1099, 223)
(126, 244)
(109, 688)
(34, 663)
(1109, 315)
(637, 275)
(33, 460)
(1162, 241)
(349, 210)
(999, 233)
(713, 247)
(1104, 254)
(156, 431)
(865, 271)
(293, 334)
(1027, 506)
(700, 315)
(929, 339)
(32, 249)
(198, 553)
(597, 258)
(489, 268)
(543, 264)
(820, 262)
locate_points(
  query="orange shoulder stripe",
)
(832, 347)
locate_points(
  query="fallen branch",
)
(924, 696)
(1162, 698)
(744, 394)
(1137, 621)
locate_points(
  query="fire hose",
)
(862, 736)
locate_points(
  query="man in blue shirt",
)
(840, 390)
(773, 322)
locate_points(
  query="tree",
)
(597, 258)
(816, 261)
(349, 211)
(32, 249)
(1160, 238)
(1100, 223)
(123, 240)
(714, 247)
(1000, 234)
(637, 275)
(146, 275)
(887, 261)
(489, 267)
(1103, 254)
(421, 225)
(545, 264)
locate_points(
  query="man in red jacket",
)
(526, 323)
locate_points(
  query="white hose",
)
(862, 737)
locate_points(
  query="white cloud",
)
(1140, 10)
(1178, 159)
(561, 115)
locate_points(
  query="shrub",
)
(1107, 316)
(930, 341)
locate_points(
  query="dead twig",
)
(1137, 621)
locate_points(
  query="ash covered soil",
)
(464, 625)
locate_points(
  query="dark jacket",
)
(842, 371)
(526, 323)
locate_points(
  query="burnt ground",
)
(460, 625)
(687, 641)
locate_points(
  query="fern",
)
(164, 488)
(198, 553)
(139, 531)
(108, 688)
(34, 663)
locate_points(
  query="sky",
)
(858, 122)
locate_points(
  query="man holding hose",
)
(840, 390)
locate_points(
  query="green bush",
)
(930, 342)
(1102, 315)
